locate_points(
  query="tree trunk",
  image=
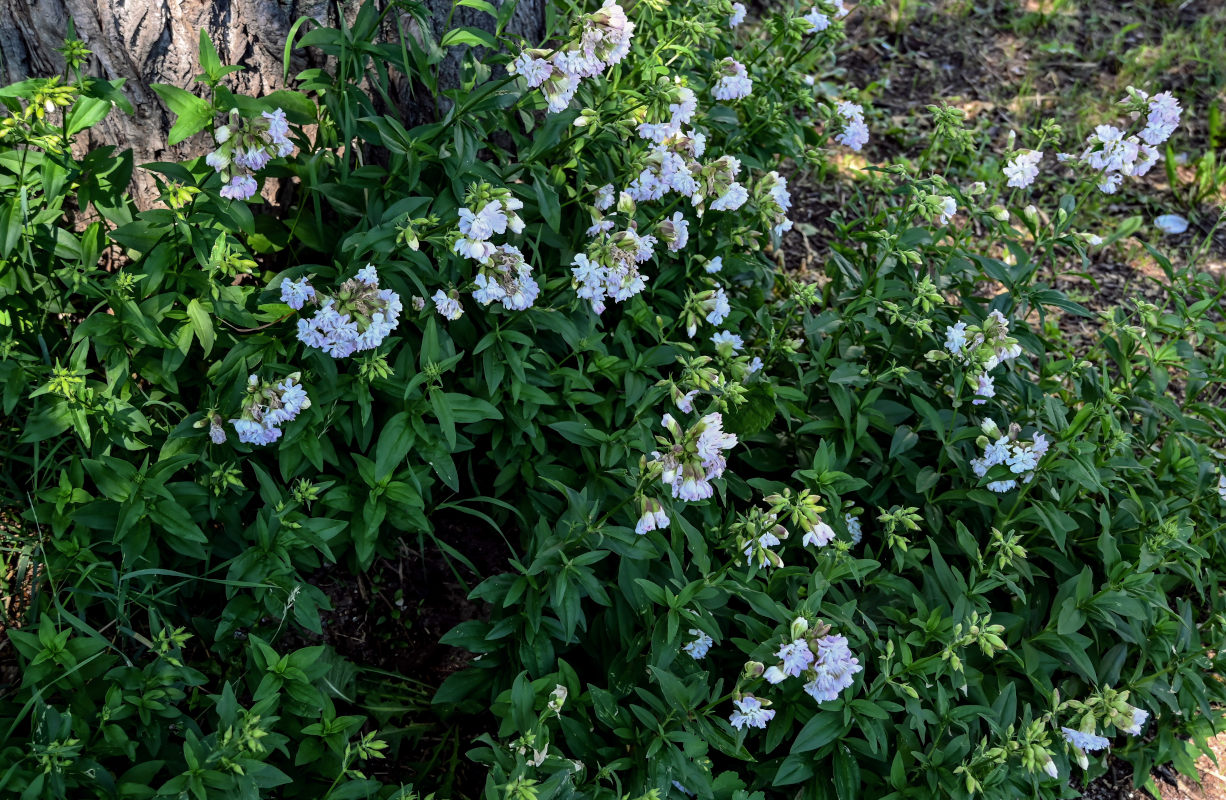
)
(156, 41)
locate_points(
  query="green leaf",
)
(472, 37)
(394, 443)
(755, 414)
(480, 5)
(297, 106)
(442, 411)
(210, 62)
(820, 731)
(794, 769)
(547, 199)
(202, 325)
(193, 113)
(846, 773)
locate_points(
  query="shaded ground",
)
(388, 622)
(392, 616)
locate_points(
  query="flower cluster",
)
(495, 214)
(759, 530)
(506, 277)
(822, 659)
(980, 348)
(1115, 155)
(818, 18)
(268, 406)
(609, 269)
(672, 163)
(244, 147)
(733, 81)
(1109, 706)
(694, 457)
(668, 166)
(756, 532)
(597, 41)
(710, 305)
(804, 511)
(652, 516)
(1021, 457)
(358, 317)
(855, 133)
(773, 199)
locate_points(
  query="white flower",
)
(605, 196)
(1221, 487)
(749, 712)
(1088, 742)
(1024, 168)
(955, 338)
(698, 648)
(819, 535)
(755, 365)
(368, 275)
(653, 518)
(534, 70)
(1139, 718)
(738, 15)
(1110, 182)
(676, 232)
(762, 548)
(447, 305)
(985, 387)
(733, 342)
(854, 528)
(714, 265)
(1163, 119)
(732, 198)
(795, 657)
(218, 160)
(855, 132)
(558, 90)
(296, 293)
(717, 307)
(240, 187)
(774, 675)
(817, 21)
(949, 207)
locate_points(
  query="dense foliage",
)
(882, 531)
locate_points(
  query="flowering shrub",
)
(768, 537)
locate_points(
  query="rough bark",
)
(155, 41)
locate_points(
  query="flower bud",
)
(585, 118)
(798, 628)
